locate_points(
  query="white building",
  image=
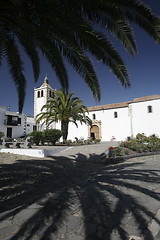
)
(15, 125)
(112, 121)
(41, 96)
(122, 120)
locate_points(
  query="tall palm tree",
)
(71, 30)
(64, 108)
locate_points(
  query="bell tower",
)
(42, 95)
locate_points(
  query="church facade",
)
(117, 121)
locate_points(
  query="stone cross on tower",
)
(42, 95)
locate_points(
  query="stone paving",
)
(74, 195)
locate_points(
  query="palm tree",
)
(64, 108)
(67, 30)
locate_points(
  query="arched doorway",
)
(94, 132)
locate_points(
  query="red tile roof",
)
(108, 106)
(123, 104)
(146, 98)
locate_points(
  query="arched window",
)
(94, 116)
(38, 94)
(42, 93)
(115, 115)
(150, 110)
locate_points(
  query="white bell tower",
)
(42, 95)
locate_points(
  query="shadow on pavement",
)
(75, 198)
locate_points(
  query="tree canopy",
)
(71, 30)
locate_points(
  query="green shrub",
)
(52, 135)
(88, 141)
(80, 142)
(97, 140)
(129, 144)
(145, 148)
(137, 147)
(154, 148)
(141, 137)
(68, 142)
(118, 151)
(153, 140)
(38, 137)
(143, 143)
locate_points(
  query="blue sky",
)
(144, 70)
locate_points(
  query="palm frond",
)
(54, 57)
(30, 48)
(16, 69)
(139, 13)
(72, 35)
(84, 68)
(98, 45)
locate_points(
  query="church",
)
(118, 121)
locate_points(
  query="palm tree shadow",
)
(74, 197)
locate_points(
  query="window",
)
(94, 116)
(50, 94)
(28, 125)
(42, 93)
(34, 127)
(115, 115)
(149, 109)
(19, 121)
(38, 94)
(9, 132)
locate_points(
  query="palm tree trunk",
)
(64, 128)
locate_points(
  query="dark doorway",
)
(9, 132)
(92, 135)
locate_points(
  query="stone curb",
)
(105, 159)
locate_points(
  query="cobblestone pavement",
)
(73, 195)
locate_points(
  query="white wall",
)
(2, 118)
(144, 122)
(81, 132)
(18, 131)
(118, 127)
(39, 104)
(30, 125)
(40, 101)
(22, 129)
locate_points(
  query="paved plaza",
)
(74, 195)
